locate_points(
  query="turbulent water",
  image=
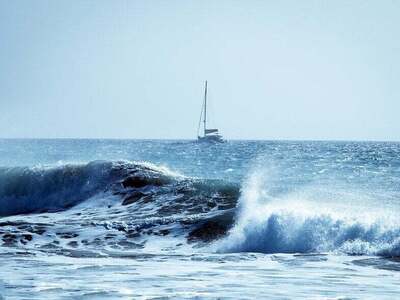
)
(107, 219)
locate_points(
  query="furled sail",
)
(207, 131)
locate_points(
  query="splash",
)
(298, 223)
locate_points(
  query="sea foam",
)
(292, 223)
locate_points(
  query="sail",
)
(207, 131)
(210, 135)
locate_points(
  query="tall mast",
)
(205, 108)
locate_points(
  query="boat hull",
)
(210, 139)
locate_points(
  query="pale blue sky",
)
(135, 69)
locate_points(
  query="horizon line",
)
(195, 139)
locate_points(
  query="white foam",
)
(297, 222)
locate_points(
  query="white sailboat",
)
(209, 134)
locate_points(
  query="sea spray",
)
(297, 223)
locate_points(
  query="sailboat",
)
(210, 135)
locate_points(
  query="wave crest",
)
(40, 189)
(144, 188)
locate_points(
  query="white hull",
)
(210, 139)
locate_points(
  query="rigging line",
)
(201, 115)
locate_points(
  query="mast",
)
(205, 108)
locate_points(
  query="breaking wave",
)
(297, 225)
(153, 200)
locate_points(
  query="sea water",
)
(143, 219)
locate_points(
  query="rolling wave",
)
(109, 205)
(26, 190)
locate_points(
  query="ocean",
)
(165, 219)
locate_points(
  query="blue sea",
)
(160, 219)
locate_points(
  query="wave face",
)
(46, 189)
(25, 190)
(106, 204)
(298, 225)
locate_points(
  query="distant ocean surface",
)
(152, 219)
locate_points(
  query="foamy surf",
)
(291, 224)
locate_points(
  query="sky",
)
(291, 70)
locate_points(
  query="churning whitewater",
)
(284, 206)
(296, 225)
